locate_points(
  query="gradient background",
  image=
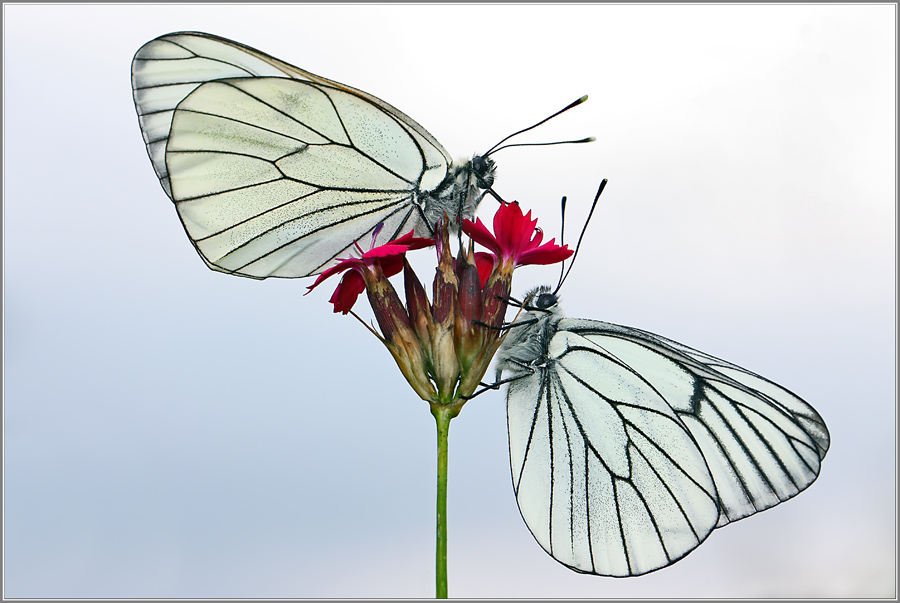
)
(175, 432)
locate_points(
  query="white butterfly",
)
(276, 171)
(627, 449)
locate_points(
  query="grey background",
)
(174, 432)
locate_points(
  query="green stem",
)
(442, 415)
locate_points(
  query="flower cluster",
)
(444, 346)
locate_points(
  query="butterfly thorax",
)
(528, 341)
(460, 192)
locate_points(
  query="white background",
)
(174, 432)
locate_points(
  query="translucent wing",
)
(627, 448)
(275, 171)
(606, 476)
(762, 442)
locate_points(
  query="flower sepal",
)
(441, 331)
(400, 337)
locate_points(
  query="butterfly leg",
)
(495, 195)
(496, 384)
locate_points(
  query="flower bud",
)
(496, 298)
(399, 336)
(418, 307)
(445, 281)
(444, 360)
(469, 335)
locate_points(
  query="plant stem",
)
(442, 415)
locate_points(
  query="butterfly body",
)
(627, 449)
(461, 191)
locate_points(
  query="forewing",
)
(166, 70)
(762, 442)
(606, 476)
(276, 171)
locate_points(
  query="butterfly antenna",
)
(571, 105)
(583, 230)
(562, 234)
(544, 144)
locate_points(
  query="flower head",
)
(444, 346)
(388, 258)
(516, 240)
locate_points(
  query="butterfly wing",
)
(275, 171)
(627, 448)
(763, 443)
(607, 477)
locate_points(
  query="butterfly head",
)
(483, 170)
(528, 341)
(541, 300)
(461, 191)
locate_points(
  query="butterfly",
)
(627, 449)
(275, 171)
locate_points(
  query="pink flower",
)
(516, 240)
(444, 346)
(387, 258)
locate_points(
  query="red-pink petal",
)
(548, 253)
(513, 230)
(485, 264)
(344, 265)
(398, 247)
(386, 250)
(516, 238)
(391, 265)
(412, 242)
(347, 292)
(479, 233)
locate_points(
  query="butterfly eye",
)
(545, 301)
(483, 167)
